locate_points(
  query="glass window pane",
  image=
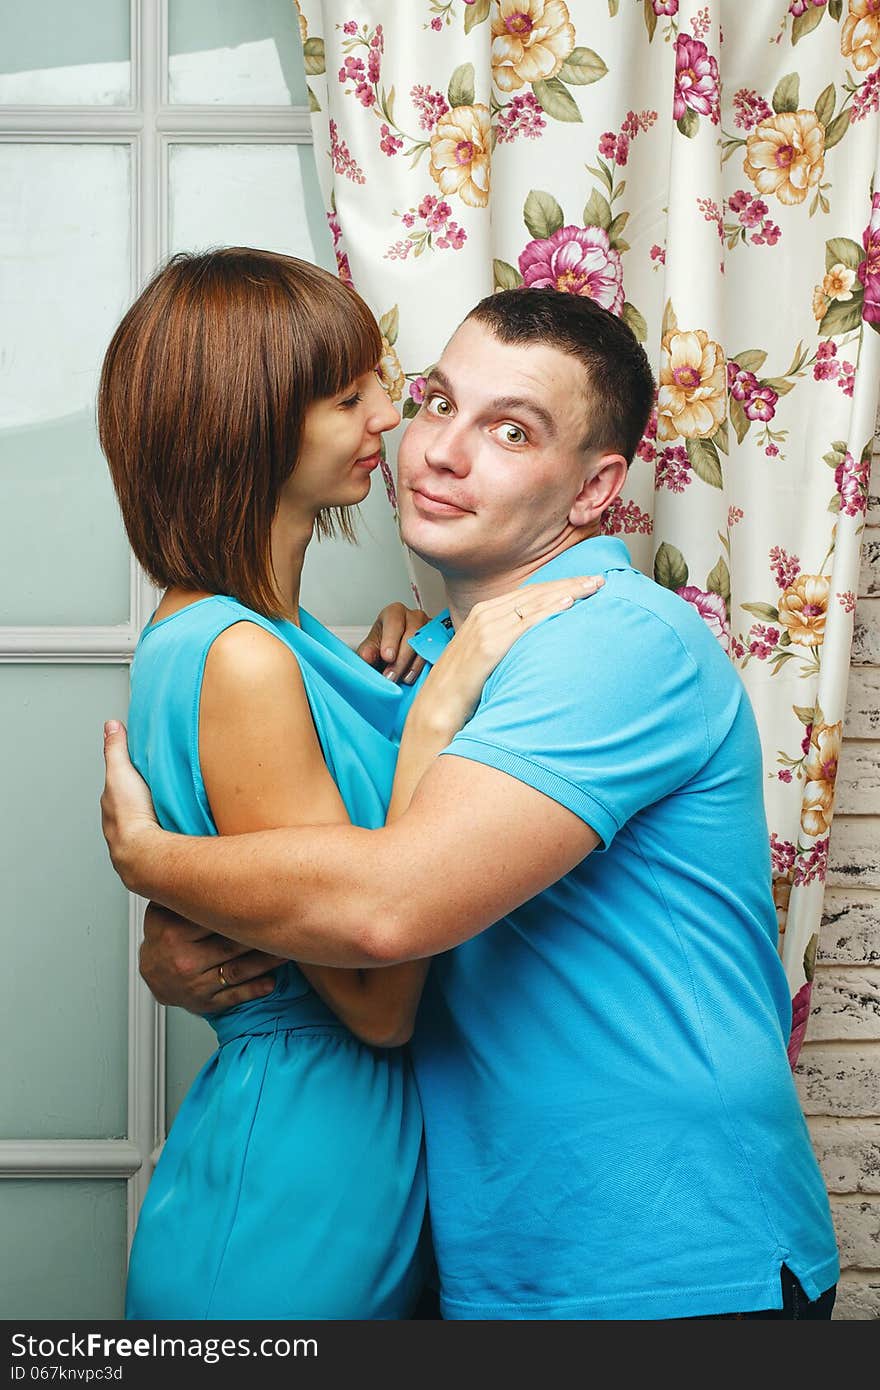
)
(247, 195)
(64, 984)
(234, 53)
(63, 1246)
(65, 279)
(58, 54)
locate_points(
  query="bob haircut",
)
(202, 399)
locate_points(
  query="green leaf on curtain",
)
(476, 14)
(597, 211)
(389, 325)
(752, 360)
(720, 438)
(786, 96)
(670, 322)
(762, 610)
(704, 461)
(617, 227)
(842, 316)
(834, 504)
(835, 8)
(670, 568)
(613, 6)
(542, 214)
(805, 23)
(314, 104)
(738, 418)
(825, 102)
(780, 384)
(718, 581)
(409, 408)
(313, 56)
(837, 128)
(556, 100)
(506, 278)
(812, 944)
(805, 713)
(461, 90)
(689, 123)
(581, 67)
(650, 19)
(840, 250)
(634, 321)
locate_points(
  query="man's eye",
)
(512, 434)
(437, 405)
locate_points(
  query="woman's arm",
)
(263, 768)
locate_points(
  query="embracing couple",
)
(535, 852)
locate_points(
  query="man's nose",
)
(448, 448)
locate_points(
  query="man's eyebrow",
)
(520, 403)
(438, 380)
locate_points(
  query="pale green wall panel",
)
(65, 279)
(189, 1041)
(235, 52)
(58, 54)
(63, 986)
(63, 1249)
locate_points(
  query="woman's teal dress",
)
(292, 1182)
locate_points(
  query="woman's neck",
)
(289, 541)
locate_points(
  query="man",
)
(611, 1124)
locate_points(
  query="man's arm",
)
(474, 844)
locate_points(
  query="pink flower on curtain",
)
(576, 260)
(851, 480)
(712, 610)
(696, 79)
(800, 1013)
(869, 268)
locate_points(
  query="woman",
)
(240, 413)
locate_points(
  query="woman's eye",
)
(351, 401)
(437, 405)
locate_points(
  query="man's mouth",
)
(433, 505)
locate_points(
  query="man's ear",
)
(602, 485)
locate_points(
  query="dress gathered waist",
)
(274, 1015)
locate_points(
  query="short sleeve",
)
(598, 707)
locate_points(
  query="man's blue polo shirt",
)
(612, 1127)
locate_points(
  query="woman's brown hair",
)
(203, 394)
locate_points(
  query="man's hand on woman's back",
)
(197, 970)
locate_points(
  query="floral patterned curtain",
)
(708, 173)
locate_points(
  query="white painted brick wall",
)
(839, 1071)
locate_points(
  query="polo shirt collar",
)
(597, 555)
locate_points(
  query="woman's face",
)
(340, 448)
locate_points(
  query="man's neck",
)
(463, 591)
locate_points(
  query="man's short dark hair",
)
(620, 385)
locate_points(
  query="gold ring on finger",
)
(223, 980)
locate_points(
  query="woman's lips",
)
(370, 462)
